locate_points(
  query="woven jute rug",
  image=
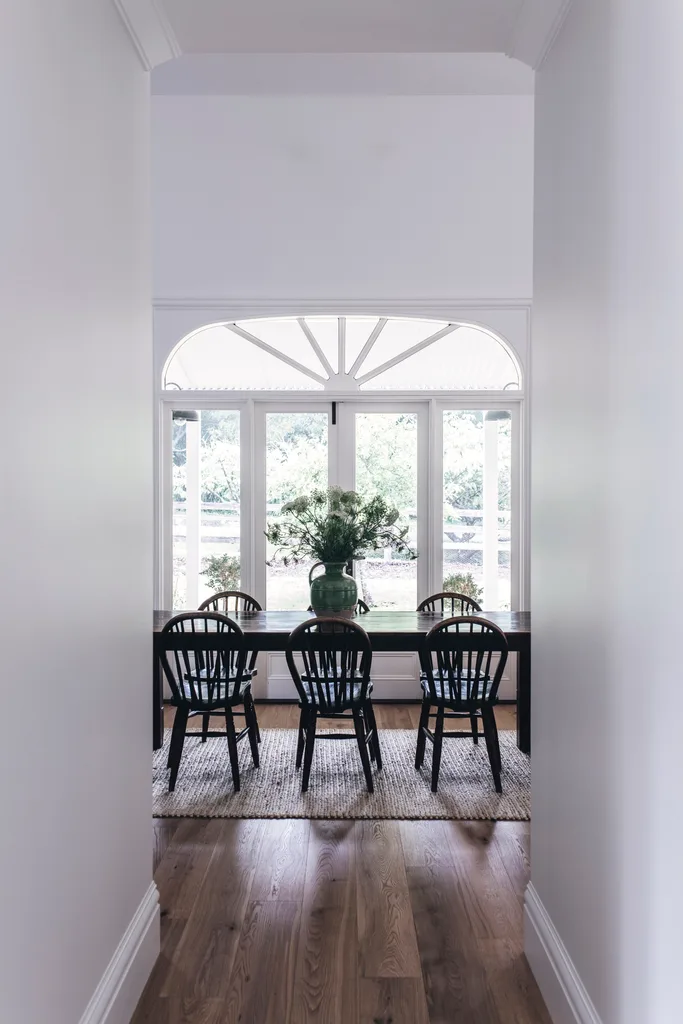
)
(337, 785)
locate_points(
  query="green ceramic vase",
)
(335, 592)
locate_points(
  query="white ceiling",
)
(342, 26)
(343, 74)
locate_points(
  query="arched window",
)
(425, 412)
(342, 353)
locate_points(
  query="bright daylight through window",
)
(388, 406)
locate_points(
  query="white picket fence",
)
(211, 532)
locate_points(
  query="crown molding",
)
(537, 27)
(337, 306)
(150, 30)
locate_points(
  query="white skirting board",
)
(565, 995)
(121, 985)
(394, 676)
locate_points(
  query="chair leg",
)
(177, 742)
(492, 745)
(375, 735)
(359, 723)
(301, 741)
(438, 743)
(232, 748)
(369, 739)
(475, 727)
(253, 708)
(421, 738)
(206, 722)
(170, 746)
(252, 726)
(311, 717)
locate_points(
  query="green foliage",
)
(222, 572)
(220, 462)
(386, 459)
(297, 458)
(463, 454)
(334, 525)
(296, 455)
(463, 583)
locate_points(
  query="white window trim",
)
(344, 380)
(253, 406)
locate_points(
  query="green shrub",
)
(463, 583)
(222, 572)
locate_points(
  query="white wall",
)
(342, 196)
(76, 506)
(606, 495)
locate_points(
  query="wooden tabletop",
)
(388, 630)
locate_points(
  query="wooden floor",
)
(389, 716)
(295, 922)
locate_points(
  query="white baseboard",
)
(565, 995)
(282, 688)
(121, 985)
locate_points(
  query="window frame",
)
(343, 381)
(430, 447)
(507, 321)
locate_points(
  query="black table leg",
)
(157, 703)
(524, 700)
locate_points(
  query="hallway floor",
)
(342, 922)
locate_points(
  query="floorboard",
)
(343, 922)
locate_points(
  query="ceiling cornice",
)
(536, 28)
(538, 25)
(150, 30)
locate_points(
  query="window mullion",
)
(313, 342)
(368, 346)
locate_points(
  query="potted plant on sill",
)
(335, 527)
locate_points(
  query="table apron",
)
(381, 644)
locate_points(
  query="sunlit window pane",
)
(386, 464)
(477, 505)
(396, 337)
(287, 337)
(466, 359)
(208, 527)
(216, 359)
(296, 463)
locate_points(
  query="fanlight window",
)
(318, 353)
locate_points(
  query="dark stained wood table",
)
(388, 631)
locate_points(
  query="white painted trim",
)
(275, 352)
(537, 27)
(407, 353)
(565, 994)
(339, 306)
(121, 985)
(150, 30)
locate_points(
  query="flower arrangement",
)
(335, 526)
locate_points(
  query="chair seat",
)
(219, 689)
(313, 696)
(443, 690)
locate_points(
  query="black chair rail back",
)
(204, 659)
(230, 601)
(337, 656)
(459, 652)
(450, 603)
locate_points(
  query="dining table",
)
(389, 631)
